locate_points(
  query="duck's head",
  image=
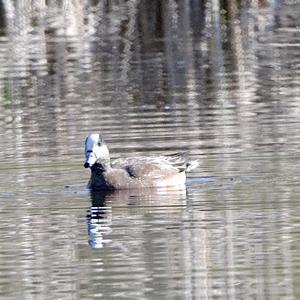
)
(95, 150)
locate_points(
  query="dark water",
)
(220, 81)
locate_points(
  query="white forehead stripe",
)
(91, 141)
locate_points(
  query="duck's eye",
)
(100, 141)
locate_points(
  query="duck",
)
(133, 172)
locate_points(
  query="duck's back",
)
(142, 172)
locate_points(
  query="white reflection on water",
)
(99, 220)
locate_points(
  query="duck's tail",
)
(191, 165)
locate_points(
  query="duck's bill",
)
(90, 160)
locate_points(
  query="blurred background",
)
(216, 78)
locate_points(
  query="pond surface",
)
(154, 77)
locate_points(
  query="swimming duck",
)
(133, 172)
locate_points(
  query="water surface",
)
(220, 81)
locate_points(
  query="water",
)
(220, 81)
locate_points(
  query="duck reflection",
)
(99, 215)
(99, 220)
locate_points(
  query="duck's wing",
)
(181, 161)
(177, 160)
(154, 167)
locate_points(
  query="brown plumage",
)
(134, 172)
